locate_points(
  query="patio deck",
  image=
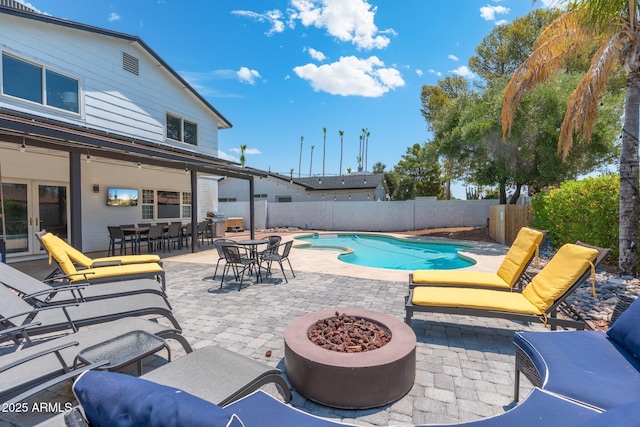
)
(465, 365)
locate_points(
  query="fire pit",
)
(351, 378)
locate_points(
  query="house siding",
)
(111, 99)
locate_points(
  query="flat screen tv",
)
(117, 196)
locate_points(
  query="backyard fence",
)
(506, 220)
(364, 215)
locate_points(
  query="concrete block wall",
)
(365, 215)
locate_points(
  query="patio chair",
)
(17, 314)
(510, 274)
(106, 396)
(84, 261)
(155, 238)
(118, 238)
(39, 294)
(239, 263)
(275, 256)
(539, 301)
(99, 274)
(30, 370)
(219, 243)
(173, 236)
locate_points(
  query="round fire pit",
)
(351, 380)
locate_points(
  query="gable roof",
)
(354, 181)
(20, 11)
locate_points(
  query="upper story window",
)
(35, 83)
(182, 130)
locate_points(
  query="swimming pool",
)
(389, 252)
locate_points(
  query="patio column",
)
(75, 199)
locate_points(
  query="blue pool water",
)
(388, 252)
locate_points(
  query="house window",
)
(283, 199)
(226, 199)
(34, 83)
(162, 204)
(260, 196)
(182, 130)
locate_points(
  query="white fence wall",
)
(364, 216)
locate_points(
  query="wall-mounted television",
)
(117, 196)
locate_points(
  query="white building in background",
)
(280, 189)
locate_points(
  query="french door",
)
(31, 206)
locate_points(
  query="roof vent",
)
(130, 64)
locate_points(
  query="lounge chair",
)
(17, 313)
(510, 274)
(107, 396)
(84, 261)
(38, 293)
(539, 301)
(99, 274)
(33, 369)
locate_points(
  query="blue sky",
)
(280, 70)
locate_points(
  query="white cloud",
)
(453, 57)
(502, 22)
(463, 71)
(247, 151)
(224, 156)
(273, 17)
(489, 12)
(432, 71)
(113, 17)
(419, 72)
(245, 75)
(316, 54)
(352, 76)
(347, 20)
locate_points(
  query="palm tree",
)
(324, 148)
(243, 148)
(311, 161)
(300, 161)
(614, 24)
(341, 133)
(366, 151)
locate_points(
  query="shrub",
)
(584, 210)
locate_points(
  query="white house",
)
(279, 188)
(88, 115)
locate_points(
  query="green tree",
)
(341, 133)
(417, 174)
(243, 148)
(614, 24)
(379, 167)
(324, 148)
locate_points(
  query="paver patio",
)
(465, 365)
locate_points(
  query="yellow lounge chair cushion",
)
(465, 277)
(482, 299)
(560, 273)
(524, 248)
(57, 251)
(118, 270)
(515, 261)
(83, 260)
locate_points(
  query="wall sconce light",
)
(342, 181)
(139, 165)
(349, 196)
(23, 146)
(365, 180)
(88, 156)
(96, 188)
(319, 180)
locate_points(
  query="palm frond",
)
(559, 40)
(582, 107)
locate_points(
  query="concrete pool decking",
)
(465, 365)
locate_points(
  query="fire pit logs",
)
(354, 360)
(348, 334)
